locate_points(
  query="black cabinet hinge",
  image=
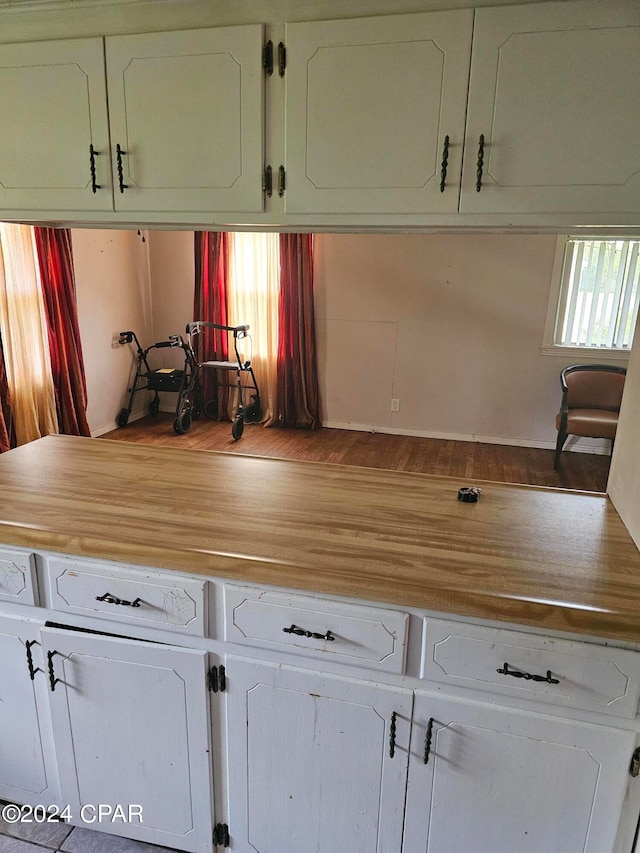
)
(282, 58)
(217, 679)
(267, 58)
(221, 835)
(634, 767)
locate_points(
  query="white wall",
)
(112, 281)
(172, 275)
(451, 325)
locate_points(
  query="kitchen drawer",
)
(314, 627)
(17, 577)
(574, 674)
(126, 594)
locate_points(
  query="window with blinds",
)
(598, 301)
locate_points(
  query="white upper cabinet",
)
(377, 122)
(53, 108)
(554, 90)
(186, 112)
(186, 117)
(369, 105)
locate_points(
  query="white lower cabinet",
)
(28, 771)
(494, 780)
(131, 728)
(317, 763)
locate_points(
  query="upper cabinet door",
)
(369, 104)
(554, 90)
(54, 108)
(186, 110)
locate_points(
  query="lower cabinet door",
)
(496, 780)
(131, 728)
(317, 763)
(28, 772)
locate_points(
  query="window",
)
(596, 305)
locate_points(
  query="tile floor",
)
(58, 836)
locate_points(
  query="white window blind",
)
(599, 297)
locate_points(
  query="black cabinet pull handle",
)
(282, 58)
(267, 182)
(293, 629)
(92, 165)
(281, 179)
(445, 160)
(52, 676)
(113, 599)
(121, 183)
(480, 163)
(32, 669)
(427, 741)
(392, 735)
(516, 673)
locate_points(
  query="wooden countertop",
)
(550, 558)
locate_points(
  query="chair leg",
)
(562, 437)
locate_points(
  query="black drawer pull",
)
(312, 634)
(516, 673)
(112, 599)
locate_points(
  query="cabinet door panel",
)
(53, 106)
(131, 727)
(499, 780)
(186, 107)
(309, 764)
(368, 105)
(556, 97)
(28, 772)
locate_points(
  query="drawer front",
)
(17, 577)
(314, 627)
(128, 594)
(544, 669)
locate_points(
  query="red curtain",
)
(210, 304)
(59, 292)
(7, 438)
(298, 400)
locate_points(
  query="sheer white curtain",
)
(24, 335)
(254, 281)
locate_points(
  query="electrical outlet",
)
(395, 405)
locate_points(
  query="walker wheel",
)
(253, 413)
(154, 406)
(237, 428)
(211, 409)
(182, 423)
(123, 418)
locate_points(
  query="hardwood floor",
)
(468, 461)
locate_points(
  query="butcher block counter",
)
(535, 556)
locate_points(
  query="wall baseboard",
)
(98, 431)
(583, 445)
(575, 445)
